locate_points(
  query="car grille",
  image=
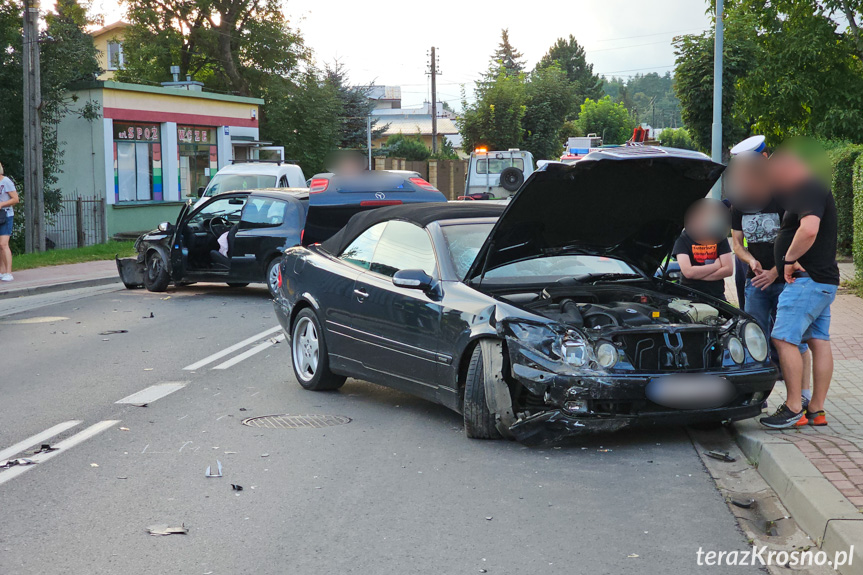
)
(668, 352)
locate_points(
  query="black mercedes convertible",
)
(537, 319)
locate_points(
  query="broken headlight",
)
(574, 349)
(755, 341)
(606, 354)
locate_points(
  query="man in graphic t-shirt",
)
(805, 252)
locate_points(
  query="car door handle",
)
(361, 293)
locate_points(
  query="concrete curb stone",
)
(35, 290)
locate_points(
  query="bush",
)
(409, 148)
(677, 138)
(843, 160)
(858, 217)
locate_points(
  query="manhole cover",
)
(295, 421)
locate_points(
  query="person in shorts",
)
(8, 198)
(805, 251)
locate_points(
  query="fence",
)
(446, 175)
(80, 223)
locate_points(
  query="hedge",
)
(858, 217)
(843, 159)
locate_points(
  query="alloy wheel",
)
(306, 349)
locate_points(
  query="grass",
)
(105, 251)
(854, 286)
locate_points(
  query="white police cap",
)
(752, 144)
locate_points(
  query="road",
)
(398, 489)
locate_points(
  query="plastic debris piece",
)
(489, 518)
(113, 331)
(164, 298)
(45, 448)
(148, 369)
(13, 462)
(743, 503)
(148, 316)
(230, 453)
(124, 429)
(167, 530)
(218, 473)
(265, 455)
(94, 465)
(243, 409)
(632, 556)
(719, 455)
(236, 487)
(122, 477)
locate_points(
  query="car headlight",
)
(755, 341)
(735, 348)
(574, 350)
(606, 354)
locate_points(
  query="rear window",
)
(223, 183)
(496, 166)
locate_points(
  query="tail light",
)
(378, 203)
(424, 184)
(318, 185)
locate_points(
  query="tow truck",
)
(496, 175)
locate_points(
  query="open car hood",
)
(627, 203)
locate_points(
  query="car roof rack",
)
(259, 161)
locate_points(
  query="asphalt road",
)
(398, 489)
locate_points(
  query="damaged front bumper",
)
(131, 272)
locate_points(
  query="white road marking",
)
(249, 353)
(154, 392)
(61, 447)
(231, 349)
(37, 439)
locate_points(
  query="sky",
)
(387, 41)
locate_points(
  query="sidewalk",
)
(818, 471)
(58, 278)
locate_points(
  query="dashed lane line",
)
(154, 392)
(249, 353)
(37, 439)
(231, 349)
(61, 447)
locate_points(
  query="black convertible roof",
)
(421, 214)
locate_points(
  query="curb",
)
(826, 515)
(36, 290)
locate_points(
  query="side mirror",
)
(201, 191)
(412, 279)
(164, 226)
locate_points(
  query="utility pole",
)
(716, 144)
(369, 138)
(34, 200)
(434, 72)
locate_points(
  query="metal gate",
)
(80, 223)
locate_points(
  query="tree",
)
(407, 147)
(68, 56)
(549, 100)
(694, 83)
(507, 57)
(570, 56)
(676, 138)
(230, 45)
(606, 118)
(356, 108)
(494, 119)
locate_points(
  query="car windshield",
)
(465, 240)
(223, 183)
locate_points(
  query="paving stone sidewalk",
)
(60, 277)
(837, 449)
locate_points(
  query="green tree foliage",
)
(549, 99)
(356, 107)
(694, 83)
(650, 97)
(606, 118)
(494, 119)
(67, 56)
(507, 57)
(569, 55)
(446, 151)
(676, 138)
(407, 147)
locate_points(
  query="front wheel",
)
(309, 354)
(479, 422)
(272, 276)
(156, 276)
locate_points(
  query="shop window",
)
(137, 162)
(198, 157)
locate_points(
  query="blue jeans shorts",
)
(803, 312)
(6, 229)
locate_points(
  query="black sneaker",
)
(783, 418)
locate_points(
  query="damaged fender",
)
(497, 394)
(131, 272)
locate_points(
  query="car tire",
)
(309, 357)
(238, 284)
(271, 277)
(479, 422)
(156, 276)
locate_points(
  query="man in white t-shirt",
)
(8, 198)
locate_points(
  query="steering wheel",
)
(217, 220)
